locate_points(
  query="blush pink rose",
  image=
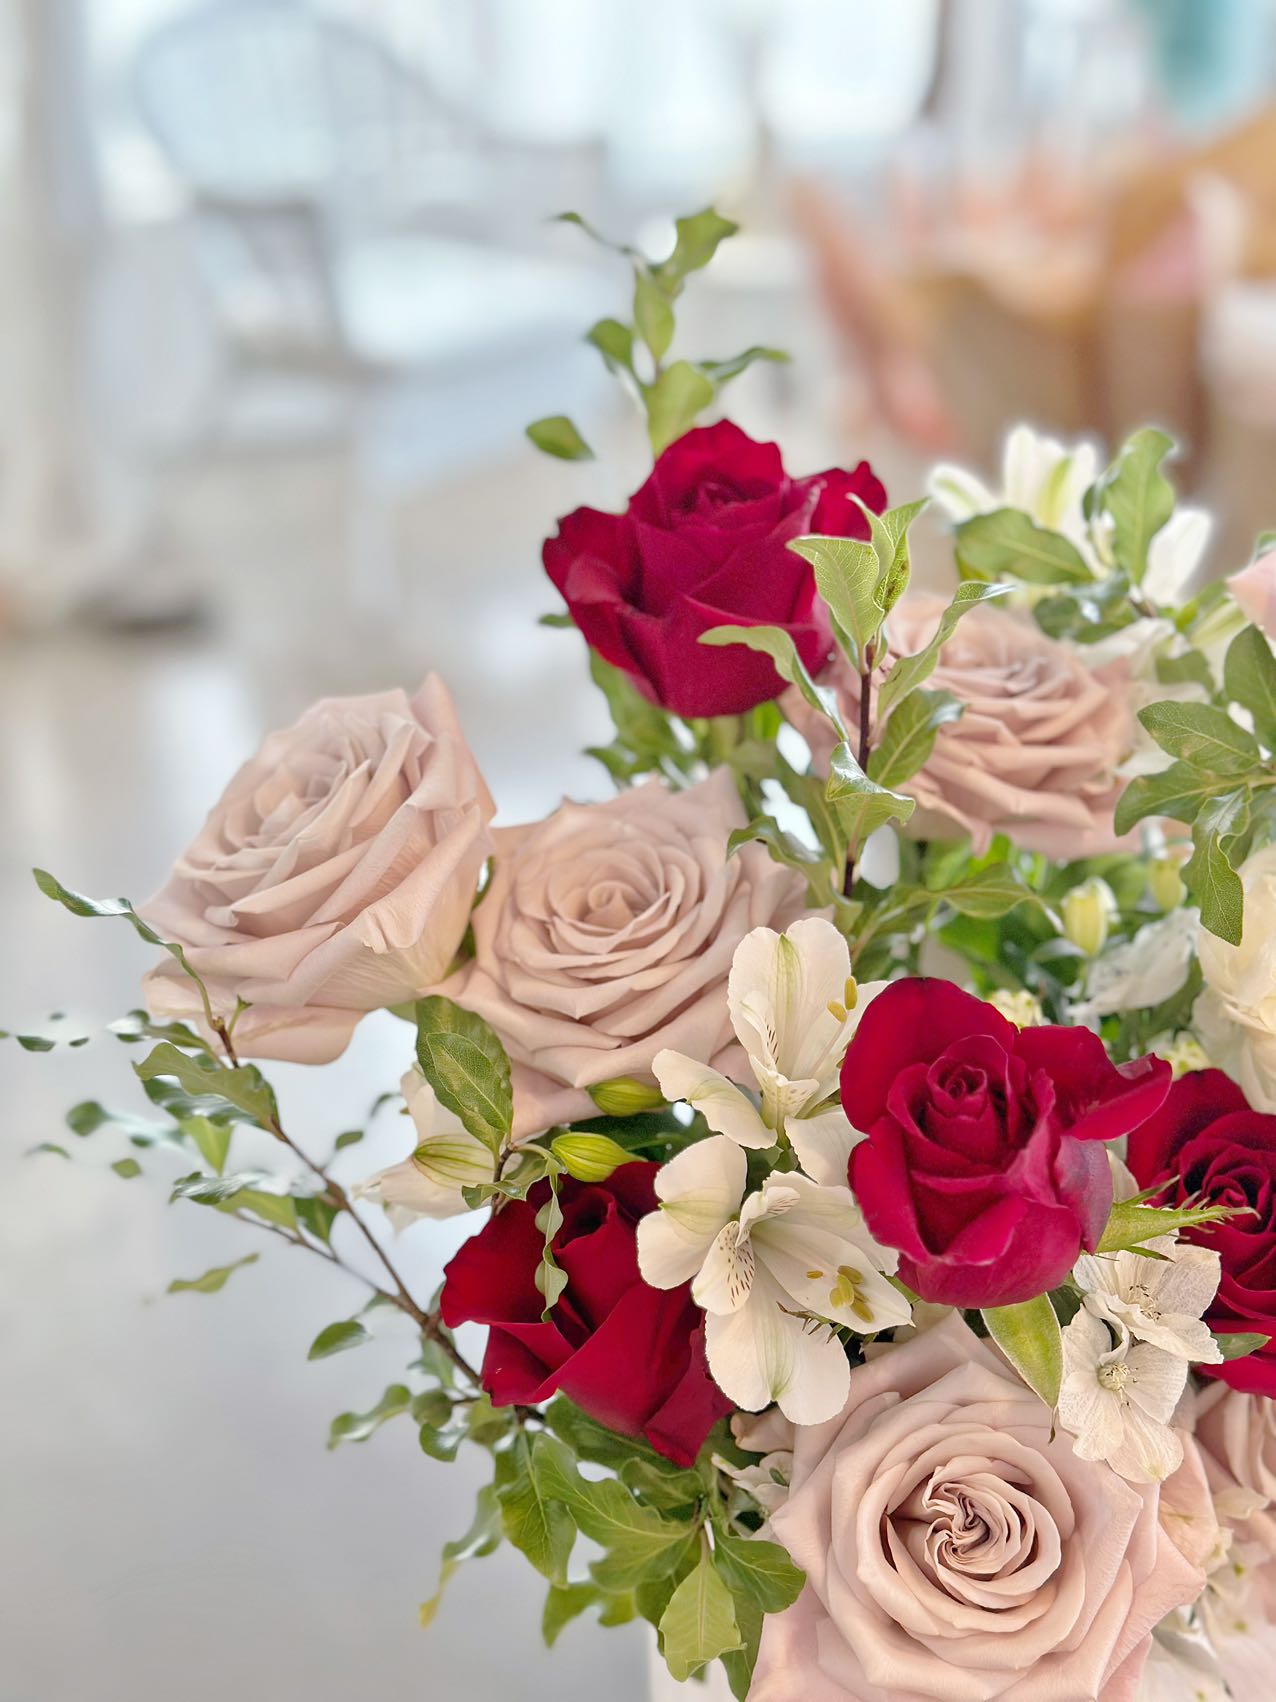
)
(607, 935)
(335, 874)
(1236, 1434)
(955, 1552)
(1254, 588)
(1036, 751)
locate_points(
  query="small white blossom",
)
(1044, 478)
(794, 1006)
(1018, 1005)
(1156, 1299)
(1144, 971)
(1117, 1400)
(1182, 1051)
(772, 1271)
(446, 1159)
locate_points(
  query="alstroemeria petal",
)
(724, 1107)
(762, 1354)
(726, 1277)
(779, 995)
(699, 1191)
(823, 1144)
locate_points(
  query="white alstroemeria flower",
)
(446, 1159)
(1117, 1400)
(1044, 478)
(767, 1270)
(794, 1007)
(1142, 971)
(1158, 1300)
(1182, 1665)
(1174, 554)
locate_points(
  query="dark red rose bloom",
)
(629, 1355)
(984, 1163)
(703, 544)
(1206, 1144)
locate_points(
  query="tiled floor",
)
(171, 1529)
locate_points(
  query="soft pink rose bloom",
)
(954, 1552)
(607, 935)
(1236, 1434)
(1254, 588)
(335, 874)
(1187, 1512)
(1036, 751)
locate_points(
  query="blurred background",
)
(278, 293)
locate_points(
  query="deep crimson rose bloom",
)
(703, 544)
(1206, 1143)
(984, 1161)
(629, 1355)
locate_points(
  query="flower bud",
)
(1018, 1005)
(1165, 883)
(453, 1161)
(625, 1096)
(589, 1158)
(1087, 913)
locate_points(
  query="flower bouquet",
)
(868, 1115)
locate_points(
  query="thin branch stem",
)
(429, 1323)
(866, 740)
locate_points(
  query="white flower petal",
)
(779, 993)
(1175, 553)
(762, 1354)
(724, 1106)
(725, 1280)
(959, 493)
(699, 1191)
(823, 1144)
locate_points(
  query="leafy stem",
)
(429, 1323)
(865, 747)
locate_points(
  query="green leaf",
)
(49, 1147)
(641, 1544)
(538, 1526)
(988, 892)
(723, 371)
(550, 1280)
(358, 1426)
(564, 1603)
(483, 1537)
(889, 533)
(653, 313)
(244, 1088)
(128, 1168)
(1205, 737)
(1030, 1337)
(212, 1140)
(673, 400)
(759, 1569)
(697, 240)
(212, 1281)
(785, 848)
(556, 435)
(1007, 545)
(1208, 873)
(79, 905)
(774, 642)
(1238, 1345)
(699, 1624)
(862, 804)
(1131, 1224)
(466, 1065)
(909, 735)
(336, 1338)
(1138, 497)
(615, 343)
(1249, 678)
(1178, 791)
(909, 672)
(1191, 668)
(846, 576)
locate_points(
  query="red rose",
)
(1205, 1143)
(703, 544)
(629, 1355)
(984, 1161)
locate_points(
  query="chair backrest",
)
(268, 99)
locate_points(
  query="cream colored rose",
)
(1236, 1434)
(1235, 1016)
(1036, 751)
(607, 935)
(957, 1551)
(335, 874)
